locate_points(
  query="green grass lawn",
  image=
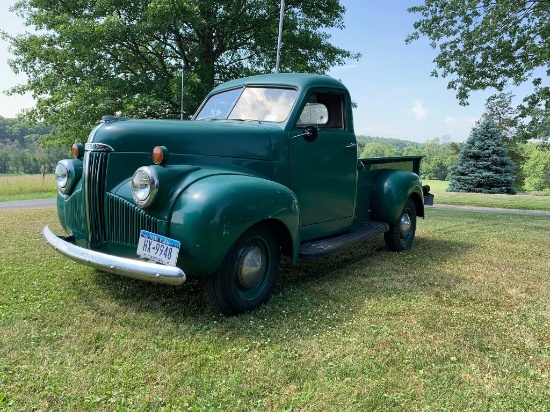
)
(22, 187)
(519, 201)
(460, 322)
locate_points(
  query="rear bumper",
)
(132, 268)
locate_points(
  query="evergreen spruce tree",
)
(483, 164)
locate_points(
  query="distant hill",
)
(20, 150)
(15, 130)
(397, 143)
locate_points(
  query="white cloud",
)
(460, 121)
(420, 112)
(450, 121)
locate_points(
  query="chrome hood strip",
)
(98, 147)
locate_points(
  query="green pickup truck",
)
(267, 167)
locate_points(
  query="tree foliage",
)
(88, 59)
(536, 168)
(482, 165)
(492, 44)
(20, 150)
(498, 108)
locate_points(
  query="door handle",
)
(351, 145)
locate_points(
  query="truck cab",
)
(267, 166)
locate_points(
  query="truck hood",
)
(248, 139)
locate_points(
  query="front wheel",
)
(401, 234)
(247, 275)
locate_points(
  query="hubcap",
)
(405, 224)
(251, 267)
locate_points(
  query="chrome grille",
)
(125, 221)
(110, 218)
(95, 166)
(75, 213)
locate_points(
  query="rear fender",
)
(390, 190)
(210, 215)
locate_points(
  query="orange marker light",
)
(160, 155)
(77, 150)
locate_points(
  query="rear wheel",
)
(401, 234)
(247, 275)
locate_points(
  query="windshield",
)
(252, 103)
(219, 105)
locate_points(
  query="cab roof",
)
(300, 81)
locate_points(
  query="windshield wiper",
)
(209, 118)
(245, 120)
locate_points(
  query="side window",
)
(314, 114)
(324, 110)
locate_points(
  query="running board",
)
(313, 249)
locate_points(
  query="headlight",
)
(145, 184)
(64, 175)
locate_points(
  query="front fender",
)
(390, 190)
(210, 215)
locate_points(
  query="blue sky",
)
(391, 83)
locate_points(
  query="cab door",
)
(323, 171)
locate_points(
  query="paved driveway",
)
(491, 210)
(28, 204)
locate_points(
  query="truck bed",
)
(408, 163)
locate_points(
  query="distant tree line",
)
(438, 153)
(20, 149)
(531, 163)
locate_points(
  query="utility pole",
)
(182, 72)
(279, 40)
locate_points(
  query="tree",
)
(20, 150)
(536, 168)
(499, 109)
(492, 44)
(482, 165)
(376, 149)
(89, 59)
(439, 155)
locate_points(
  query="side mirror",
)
(310, 133)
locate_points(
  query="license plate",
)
(158, 248)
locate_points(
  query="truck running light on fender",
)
(77, 150)
(160, 155)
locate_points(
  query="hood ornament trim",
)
(98, 147)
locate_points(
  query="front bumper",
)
(132, 268)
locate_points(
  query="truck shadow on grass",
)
(376, 271)
(341, 282)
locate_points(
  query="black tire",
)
(232, 289)
(401, 234)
